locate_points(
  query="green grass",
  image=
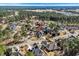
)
(29, 53)
(2, 49)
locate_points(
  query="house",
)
(33, 38)
(39, 25)
(50, 46)
(34, 17)
(18, 28)
(74, 27)
(44, 44)
(15, 52)
(46, 30)
(2, 21)
(13, 26)
(62, 32)
(23, 50)
(3, 24)
(39, 34)
(36, 51)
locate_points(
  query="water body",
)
(40, 7)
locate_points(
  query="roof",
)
(75, 27)
(37, 52)
(52, 46)
(2, 20)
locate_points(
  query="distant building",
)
(72, 27)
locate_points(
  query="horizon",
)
(39, 4)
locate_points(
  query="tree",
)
(23, 30)
(52, 25)
(71, 46)
(16, 37)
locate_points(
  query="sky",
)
(39, 1)
(52, 2)
(39, 4)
